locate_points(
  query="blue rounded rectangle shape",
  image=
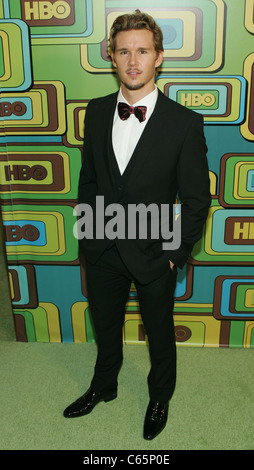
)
(28, 115)
(40, 226)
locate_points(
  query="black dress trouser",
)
(108, 286)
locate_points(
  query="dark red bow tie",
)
(124, 111)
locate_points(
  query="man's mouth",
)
(133, 73)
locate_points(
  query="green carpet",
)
(212, 407)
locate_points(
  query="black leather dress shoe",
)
(85, 404)
(155, 419)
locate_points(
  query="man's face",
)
(136, 60)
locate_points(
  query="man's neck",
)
(133, 96)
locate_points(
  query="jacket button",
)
(120, 188)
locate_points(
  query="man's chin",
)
(134, 86)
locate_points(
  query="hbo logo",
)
(46, 10)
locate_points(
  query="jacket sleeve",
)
(87, 187)
(193, 190)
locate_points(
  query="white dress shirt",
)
(126, 134)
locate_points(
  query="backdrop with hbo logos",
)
(53, 60)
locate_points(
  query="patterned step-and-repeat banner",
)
(53, 60)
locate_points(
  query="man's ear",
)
(113, 60)
(159, 59)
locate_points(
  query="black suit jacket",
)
(169, 159)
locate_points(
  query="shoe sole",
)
(150, 437)
(112, 397)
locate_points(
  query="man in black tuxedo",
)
(139, 147)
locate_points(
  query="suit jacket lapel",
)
(110, 111)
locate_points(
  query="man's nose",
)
(132, 58)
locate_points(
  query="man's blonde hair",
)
(136, 20)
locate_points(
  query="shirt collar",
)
(148, 100)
